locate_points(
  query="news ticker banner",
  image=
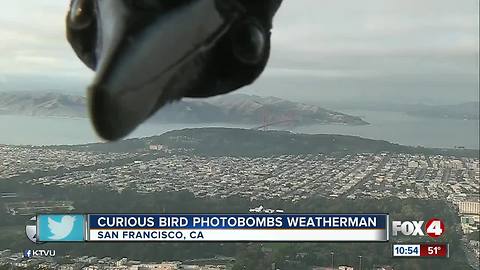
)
(426, 250)
(213, 227)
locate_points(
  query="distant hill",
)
(42, 104)
(236, 109)
(468, 110)
(241, 108)
(247, 142)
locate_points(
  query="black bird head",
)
(147, 53)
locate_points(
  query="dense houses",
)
(19, 261)
(288, 177)
(17, 160)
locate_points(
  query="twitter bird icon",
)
(65, 228)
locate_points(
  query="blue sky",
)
(323, 51)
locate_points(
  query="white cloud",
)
(376, 44)
(33, 39)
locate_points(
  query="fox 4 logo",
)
(433, 227)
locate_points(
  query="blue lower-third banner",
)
(239, 227)
(212, 227)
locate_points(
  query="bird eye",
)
(81, 14)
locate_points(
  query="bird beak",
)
(146, 59)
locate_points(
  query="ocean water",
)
(29, 130)
(391, 126)
(401, 128)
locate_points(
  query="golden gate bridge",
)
(269, 120)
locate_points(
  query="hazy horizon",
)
(393, 52)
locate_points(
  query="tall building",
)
(471, 208)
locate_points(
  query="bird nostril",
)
(156, 5)
(81, 14)
(248, 42)
(146, 4)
